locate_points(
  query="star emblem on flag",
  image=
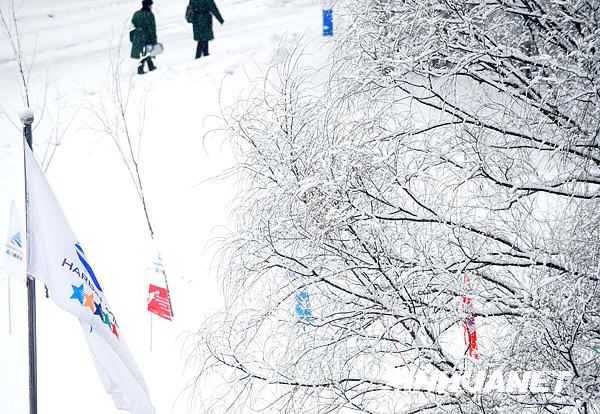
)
(78, 293)
(106, 320)
(89, 301)
(99, 311)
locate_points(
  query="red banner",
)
(158, 302)
(470, 332)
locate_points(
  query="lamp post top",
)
(26, 116)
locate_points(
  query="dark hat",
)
(147, 2)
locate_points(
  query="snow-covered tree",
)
(451, 151)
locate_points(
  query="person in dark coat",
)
(143, 34)
(204, 10)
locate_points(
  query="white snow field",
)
(73, 42)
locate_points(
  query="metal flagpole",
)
(27, 120)
(9, 311)
(167, 286)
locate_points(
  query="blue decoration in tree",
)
(303, 307)
(328, 22)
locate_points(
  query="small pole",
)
(9, 310)
(164, 273)
(150, 331)
(168, 291)
(27, 121)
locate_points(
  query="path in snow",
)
(74, 41)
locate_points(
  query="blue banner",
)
(328, 22)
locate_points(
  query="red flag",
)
(159, 297)
(158, 302)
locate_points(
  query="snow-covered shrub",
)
(449, 140)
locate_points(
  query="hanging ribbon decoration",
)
(470, 332)
(303, 308)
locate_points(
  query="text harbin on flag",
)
(14, 250)
(55, 257)
(159, 301)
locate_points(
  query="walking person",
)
(202, 12)
(143, 35)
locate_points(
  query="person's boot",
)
(141, 69)
(151, 65)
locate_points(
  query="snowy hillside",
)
(73, 44)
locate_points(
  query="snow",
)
(183, 150)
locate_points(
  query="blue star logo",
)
(77, 293)
(99, 311)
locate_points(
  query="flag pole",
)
(168, 291)
(9, 311)
(27, 121)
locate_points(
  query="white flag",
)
(14, 250)
(55, 257)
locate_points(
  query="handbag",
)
(154, 50)
(189, 13)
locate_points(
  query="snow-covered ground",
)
(73, 42)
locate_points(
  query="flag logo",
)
(86, 265)
(16, 240)
(14, 247)
(91, 298)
